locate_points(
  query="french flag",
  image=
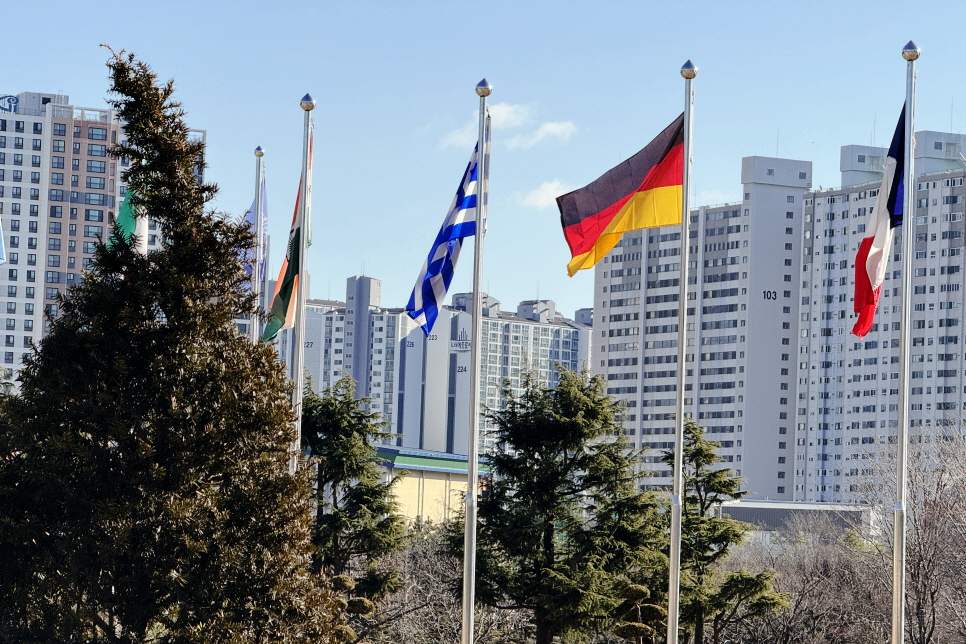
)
(873, 257)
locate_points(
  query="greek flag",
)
(437, 272)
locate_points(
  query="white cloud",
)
(506, 115)
(560, 130)
(545, 195)
(463, 137)
(502, 116)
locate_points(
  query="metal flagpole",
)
(305, 207)
(483, 90)
(910, 53)
(688, 71)
(257, 267)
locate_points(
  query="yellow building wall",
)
(430, 496)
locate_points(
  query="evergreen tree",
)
(357, 519)
(707, 539)
(144, 491)
(563, 522)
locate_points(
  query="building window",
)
(34, 177)
(57, 178)
(93, 231)
(96, 150)
(57, 162)
(93, 215)
(60, 146)
(57, 195)
(60, 129)
(96, 166)
(95, 199)
(53, 261)
(36, 145)
(790, 199)
(96, 183)
(97, 133)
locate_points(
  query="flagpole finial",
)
(308, 103)
(689, 70)
(483, 88)
(910, 52)
(259, 152)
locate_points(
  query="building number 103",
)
(770, 295)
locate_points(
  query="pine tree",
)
(357, 519)
(144, 492)
(707, 539)
(563, 522)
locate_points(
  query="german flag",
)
(642, 192)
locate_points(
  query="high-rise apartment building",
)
(848, 387)
(59, 191)
(420, 383)
(799, 405)
(740, 378)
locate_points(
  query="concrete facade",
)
(800, 406)
(59, 193)
(420, 383)
(741, 313)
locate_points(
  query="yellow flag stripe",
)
(649, 209)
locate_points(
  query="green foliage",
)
(563, 520)
(357, 519)
(360, 606)
(642, 619)
(708, 538)
(144, 491)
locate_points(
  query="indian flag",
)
(282, 314)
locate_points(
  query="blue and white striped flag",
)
(437, 272)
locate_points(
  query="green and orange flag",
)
(642, 192)
(282, 313)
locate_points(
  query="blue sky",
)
(578, 86)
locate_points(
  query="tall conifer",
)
(710, 595)
(144, 493)
(357, 519)
(563, 522)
